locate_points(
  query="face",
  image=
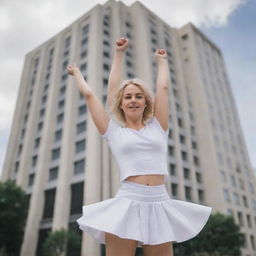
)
(133, 101)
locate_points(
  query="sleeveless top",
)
(138, 152)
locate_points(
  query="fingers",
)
(121, 41)
(161, 51)
(71, 68)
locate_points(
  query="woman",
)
(141, 214)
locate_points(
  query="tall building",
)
(57, 155)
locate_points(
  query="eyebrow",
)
(135, 93)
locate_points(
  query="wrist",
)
(119, 52)
(162, 59)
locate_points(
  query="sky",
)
(230, 24)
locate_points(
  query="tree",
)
(57, 242)
(14, 207)
(220, 236)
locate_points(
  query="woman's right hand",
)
(71, 69)
(122, 44)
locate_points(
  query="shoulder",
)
(112, 126)
(154, 121)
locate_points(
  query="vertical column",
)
(22, 176)
(37, 197)
(142, 46)
(92, 191)
(62, 207)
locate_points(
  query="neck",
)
(138, 123)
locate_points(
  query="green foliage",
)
(220, 236)
(14, 207)
(57, 242)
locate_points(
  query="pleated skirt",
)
(144, 213)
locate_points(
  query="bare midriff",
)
(149, 180)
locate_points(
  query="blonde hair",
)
(119, 113)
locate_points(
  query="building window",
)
(53, 173)
(39, 126)
(60, 118)
(22, 134)
(85, 29)
(106, 67)
(58, 135)
(129, 64)
(245, 201)
(42, 111)
(236, 198)
(180, 123)
(16, 167)
(188, 193)
(171, 150)
(201, 195)
(80, 146)
(37, 143)
(233, 180)
(184, 156)
(83, 67)
(173, 169)
(226, 195)
(182, 139)
(81, 127)
(249, 222)
(174, 188)
(106, 32)
(186, 173)
(194, 144)
(61, 104)
(241, 183)
(196, 160)
(184, 37)
(44, 99)
(84, 41)
(49, 196)
(77, 194)
(253, 242)
(79, 167)
(82, 110)
(240, 218)
(198, 177)
(83, 54)
(20, 149)
(106, 54)
(106, 43)
(64, 77)
(62, 90)
(31, 179)
(55, 153)
(67, 42)
(34, 160)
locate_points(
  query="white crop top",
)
(138, 152)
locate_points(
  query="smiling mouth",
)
(134, 107)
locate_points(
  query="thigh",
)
(116, 246)
(164, 249)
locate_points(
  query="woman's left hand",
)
(161, 54)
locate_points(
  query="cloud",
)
(26, 24)
(200, 12)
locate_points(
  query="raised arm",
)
(161, 106)
(115, 73)
(97, 111)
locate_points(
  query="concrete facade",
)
(57, 155)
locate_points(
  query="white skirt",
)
(144, 213)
